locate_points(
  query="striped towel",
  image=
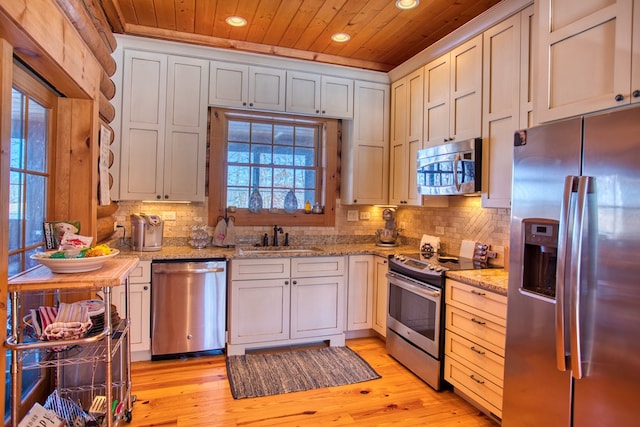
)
(72, 321)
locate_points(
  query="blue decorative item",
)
(290, 202)
(255, 201)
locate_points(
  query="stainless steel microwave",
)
(452, 168)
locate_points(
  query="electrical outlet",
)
(168, 215)
(365, 215)
(352, 215)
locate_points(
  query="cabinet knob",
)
(355, 201)
(251, 104)
(636, 93)
(619, 97)
(317, 111)
(324, 112)
(286, 282)
(166, 196)
(146, 288)
(244, 104)
(158, 196)
(295, 282)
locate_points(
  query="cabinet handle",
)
(166, 196)
(479, 322)
(146, 288)
(619, 97)
(286, 282)
(473, 348)
(636, 93)
(158, 196)
(317, 111)
(295, 282)
(476, 379)
(251, 104)
(324, 112)
(473, 291)
(244, 104)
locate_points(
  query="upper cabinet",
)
(506, 104)
(244, 86)
(588, 56)
(453, 95)
(164, 127)
(406, 138)
(365, 147)
(319, 95)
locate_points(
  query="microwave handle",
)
(456, 181)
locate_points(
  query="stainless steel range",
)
(415, 318)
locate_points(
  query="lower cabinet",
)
(474, 344)
(380, 294)
(139, 309)
(280, 301)
(360, 292)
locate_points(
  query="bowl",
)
(73, 265)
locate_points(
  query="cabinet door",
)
(360, 292)
(466, 90)
(186, 129)
(140, 312)
(303, 93)
(380, 295)
(259, 311)
(398, 143)
(500, 110)
(336, 97)
(267, 88)
(584, 57)
(229, 84)
(365, 148)
(143, 125)
(317, 306)
(436, 101)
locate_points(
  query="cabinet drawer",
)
(476, 356)
(141, 273)
(476, 329)
(260, 268)
(317, 266)
(477, 299)
(474, 385)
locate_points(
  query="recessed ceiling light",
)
(341, 37)
(236, 21)
(407, 4)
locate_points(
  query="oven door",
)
(414, 312)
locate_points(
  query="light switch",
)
(352, 215)
(168, 215)
(365, 215)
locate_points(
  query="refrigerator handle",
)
(576, 276)
(563, 260)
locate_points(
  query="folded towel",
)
(72, 321)
(230, 237)
(220, 233)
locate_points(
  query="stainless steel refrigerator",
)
(573, 317)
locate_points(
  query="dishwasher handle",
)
(189, 270)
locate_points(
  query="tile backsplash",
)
(464, 218)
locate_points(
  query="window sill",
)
(245, 218)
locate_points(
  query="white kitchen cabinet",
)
(365, 147)
(380, 294)
(474, 344)
(139, 309)
(360, 288)
(164, 127)
(588, 56)
(244, 86)
(319, 95)
(280, 301)
(406, 138)
(505, 55)
(453, 95)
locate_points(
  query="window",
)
(272, 154)
(32, 117)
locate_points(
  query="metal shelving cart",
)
(110, 345)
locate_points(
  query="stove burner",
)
(427, 249)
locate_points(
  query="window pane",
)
(238, 175)
(238, 153)
(238, 131)
(261, 154)
(35, 209)
(305, 157)
(261, 133)
(283, 155)
(15, 264)
(37, 146)
(262, 177)
(283, 178)
(283, 135)
(305, 178)
(17, 129)
(16, 210)
(237, 197)
(305, 136)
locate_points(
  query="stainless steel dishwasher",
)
(188, 306)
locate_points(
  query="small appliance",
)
(451, 168)
(388, 236)
(146, 232)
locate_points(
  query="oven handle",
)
(415, 288)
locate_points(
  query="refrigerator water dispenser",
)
(540, 256)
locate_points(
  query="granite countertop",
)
(491, 279)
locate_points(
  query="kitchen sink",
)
(262, 250)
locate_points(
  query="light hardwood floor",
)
(195, 392)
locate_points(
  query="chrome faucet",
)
(276, 230)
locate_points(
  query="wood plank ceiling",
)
(382, 36)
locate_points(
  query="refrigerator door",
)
(536, 393)
(610, 313)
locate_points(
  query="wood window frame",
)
(218, 174)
